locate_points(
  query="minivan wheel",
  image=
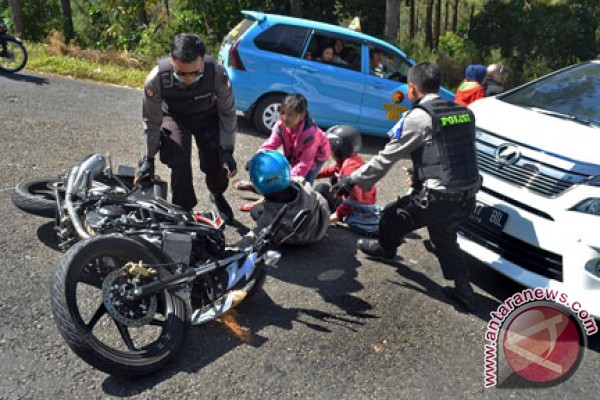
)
(266, 113)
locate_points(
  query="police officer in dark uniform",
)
(189, 95)
(439, 137)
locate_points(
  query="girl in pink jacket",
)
(304, 144)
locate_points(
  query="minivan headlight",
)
(588, 206)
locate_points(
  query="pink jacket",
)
(303, 149)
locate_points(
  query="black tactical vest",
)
(198, 99)
(450, 156)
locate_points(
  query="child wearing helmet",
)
(359, 210)
(471, 88)
(271, 176)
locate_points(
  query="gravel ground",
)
(330, 324)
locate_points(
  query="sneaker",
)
(463, 295)
(371, 247)
(223, 206)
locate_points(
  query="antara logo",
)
(507, 154)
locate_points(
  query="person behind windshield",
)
(326, 55)
(471, 88)
(338, 50)
(494, 80)
(375, 66)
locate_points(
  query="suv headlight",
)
(588, 206)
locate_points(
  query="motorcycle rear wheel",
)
(36, 197)
(14, 57)
(119, 346)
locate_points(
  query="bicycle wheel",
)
(13, 55)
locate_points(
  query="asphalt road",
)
(331, 324)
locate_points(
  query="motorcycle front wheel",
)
(111, 333)
(13, 55)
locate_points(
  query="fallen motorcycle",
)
(90, 200)
(123, 304)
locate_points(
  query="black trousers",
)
(176, 151)
(442, 219)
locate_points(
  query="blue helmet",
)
(269, 172)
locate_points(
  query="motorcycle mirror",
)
(300, 220)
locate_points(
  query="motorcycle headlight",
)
(589, 206)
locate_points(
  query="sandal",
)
(243, 184)
(247, 207)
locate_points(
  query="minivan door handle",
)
(308, 69)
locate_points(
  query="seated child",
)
(359, 210)
(304, 144)
(471, 88)
(270, 174)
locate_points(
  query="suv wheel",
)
(266, 113)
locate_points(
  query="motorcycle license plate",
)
(489, 217)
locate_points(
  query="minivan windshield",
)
(572, 94)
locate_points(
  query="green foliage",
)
(537, 37)
(39, 17)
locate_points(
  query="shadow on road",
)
(209, 342)
(38, 80)
(47, 235)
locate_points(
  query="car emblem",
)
(507, 154)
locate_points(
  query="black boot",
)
(462, 293)
(223, 206)
(371, 247)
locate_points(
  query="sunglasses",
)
(190, 73)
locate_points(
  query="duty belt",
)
(458, 196)
(422, 197)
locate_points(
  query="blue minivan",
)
(348, 77)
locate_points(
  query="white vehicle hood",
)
(564, 138)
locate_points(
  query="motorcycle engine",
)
(97, 218)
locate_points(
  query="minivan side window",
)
(335, 51)
(388, 65)
(283, 39)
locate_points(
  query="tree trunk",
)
(446, 13)
(296, 8)
(392, 19)
(68, 30)
(455, 16)
(429, 24)
(142, 14)
(16, 14)
(411, 27)
(438, 22)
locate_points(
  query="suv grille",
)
(532, 258)
(543, 179)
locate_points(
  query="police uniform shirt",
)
(409, 133)
(152, 113)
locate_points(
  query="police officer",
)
(439, 137)
(189, 95)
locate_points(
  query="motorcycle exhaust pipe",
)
(77, 224)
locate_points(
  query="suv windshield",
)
(571, 94)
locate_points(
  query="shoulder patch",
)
(150, 92)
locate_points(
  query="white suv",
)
(538, 214)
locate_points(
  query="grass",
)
(57, 58)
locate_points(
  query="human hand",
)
(343, 187)
(145, 171)
(334, 219)
(229, 162)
